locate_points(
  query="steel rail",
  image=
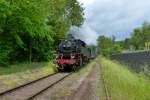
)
(50, 86)
(26, 84)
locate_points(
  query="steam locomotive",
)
(72, 53)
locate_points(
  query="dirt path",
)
(75, 87)
(89, 89)
(78, 86)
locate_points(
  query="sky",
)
(112, 18)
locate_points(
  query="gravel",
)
(27, 91)
(89, 89)
(86, 84)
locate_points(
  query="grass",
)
(21, 67)
(86, 68)
(145, 70)
(124, 84)
(21, 73)
(101, 90)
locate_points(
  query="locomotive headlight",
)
(72, 57)
(57, 56)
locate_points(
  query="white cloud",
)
(109, 17)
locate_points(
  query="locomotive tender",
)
(72, 53)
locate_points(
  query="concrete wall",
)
(134, 59)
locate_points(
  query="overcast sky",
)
(112, 17)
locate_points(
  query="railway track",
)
(105, 84)
(32, 89)
(107, 95)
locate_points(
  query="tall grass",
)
(21, 67)
(21, 73)
(85, 69)
(124, 84)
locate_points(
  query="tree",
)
(30, 29)
(137, 39)
(75, 12)
(140, 36)
(108, 46)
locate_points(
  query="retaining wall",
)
(135, 59)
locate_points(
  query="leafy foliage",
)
(30, 29)
(108, 46)
(139, 40)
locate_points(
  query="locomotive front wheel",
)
(60, 68)
(74, 68)
(81, 61)
(85, 60)
(55, 68)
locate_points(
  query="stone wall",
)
(134, 59)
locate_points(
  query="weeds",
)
(124, 84)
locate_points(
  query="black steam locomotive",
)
(72, 53)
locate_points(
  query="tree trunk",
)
(30, 51)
